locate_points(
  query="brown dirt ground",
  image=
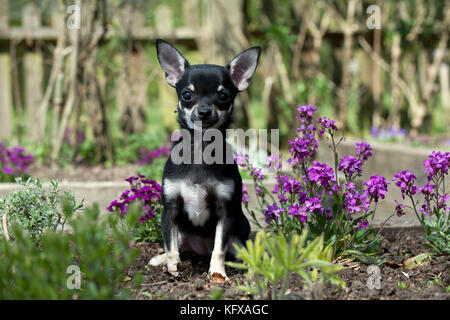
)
(397, 245)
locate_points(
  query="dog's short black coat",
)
(206, 93)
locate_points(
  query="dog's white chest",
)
(194, 196)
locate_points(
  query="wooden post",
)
(445, 89)
(167, 96)
(5, 97)
(33, 68)
(5, 79)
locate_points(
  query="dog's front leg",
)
(221, 238)
(170, 235)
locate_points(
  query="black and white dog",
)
(202, 202)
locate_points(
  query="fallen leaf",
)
(216, 278)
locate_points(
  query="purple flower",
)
(313, 205)
(355, 202)
(376, 187)
(298, 211)
(142, 189)
(241, 159)
(437, 164)
(257, 173)
(305, 115)
(274, 161)
(405, 181)
(399, 209)
(272, 212)
(245, 197)
(326, 125)
(363, 150)
(362, 224)
(8, 170)
(322, 173)
(303, 147)
(350, 165)
(147, 156)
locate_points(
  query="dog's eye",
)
(186, 95)
(223, 96)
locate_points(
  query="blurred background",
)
(96, 95)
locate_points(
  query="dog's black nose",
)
(204, 112)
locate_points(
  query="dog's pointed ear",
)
(243, 66)
(171, 61)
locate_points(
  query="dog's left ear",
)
(171, 61)
(243, 66)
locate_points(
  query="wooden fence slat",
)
(33, 69)
(5, 97)
(4, 21)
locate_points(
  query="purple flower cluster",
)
(242, 160)
(303, 147)
(245, 197)
(327, 125)
(388, 133)
(272, 212)
(405, 181)
(305, 115)
(363, 150)
(437, 164)
(355, 201)
(323, 174)
(147, 156)
(399, 209)
(376, 187)
(274, 162)
(350, 166)
(141, 189)
(14, 162)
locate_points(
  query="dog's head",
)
(206, 92)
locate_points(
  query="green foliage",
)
(437, 235)
(155, 169)
(127, 148)
(35, 210)
(99, 247)
(149, 231)
(216, 294)
(272, 258)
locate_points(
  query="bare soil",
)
(423, 282)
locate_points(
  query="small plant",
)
(402, 285)
(216, 293)
(50, 270)
(316, 197)
(272, 258)
(433, 211)
(148, 193)
(13, 162)
(35, 209)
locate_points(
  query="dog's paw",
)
(158, 260)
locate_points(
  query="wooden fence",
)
(32, 35)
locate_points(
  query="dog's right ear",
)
(171, 61)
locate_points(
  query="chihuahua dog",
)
(202, 202)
